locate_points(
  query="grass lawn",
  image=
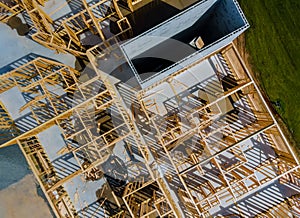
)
(273, 42)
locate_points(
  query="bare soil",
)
(22, 200)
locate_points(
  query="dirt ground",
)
(240, 43)
(22, 200)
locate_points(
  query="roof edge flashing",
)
(143, 43)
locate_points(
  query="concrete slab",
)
(81, 192)
(14, 47)
(52, 141)
(56, 8)
(13, 101)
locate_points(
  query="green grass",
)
(273, 42)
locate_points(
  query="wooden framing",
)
(87, 139)
(181, 148)
(142, 204)
(68, 36)
(10, 9)
(45, 174)
(8, 129)
(194, 160)
(234, 178)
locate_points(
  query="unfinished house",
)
(66, 131)
(167, 124)
(74, 26)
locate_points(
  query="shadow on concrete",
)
(21, 61)
(79, 64)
